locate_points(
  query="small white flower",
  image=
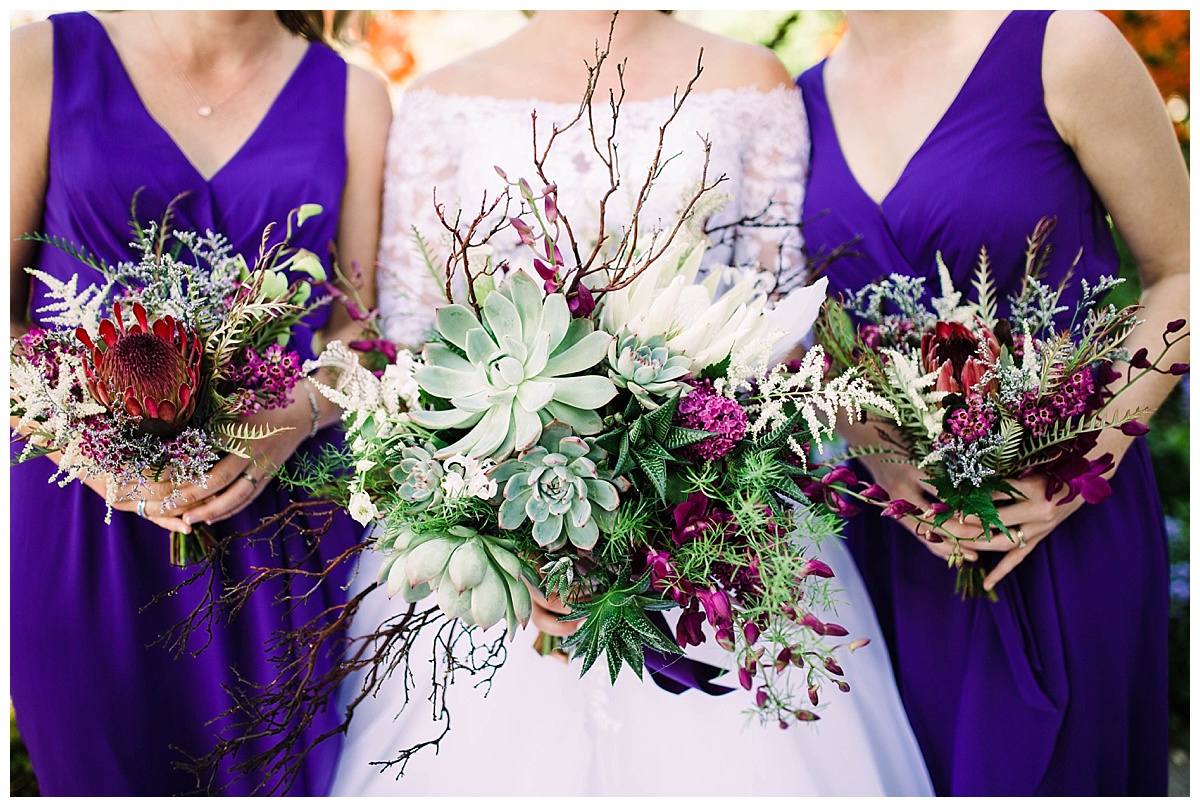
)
(362, 509)
(362, 466)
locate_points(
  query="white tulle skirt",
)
(541, 730)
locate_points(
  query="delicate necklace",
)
(203, 108)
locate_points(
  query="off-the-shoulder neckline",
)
(527, 101)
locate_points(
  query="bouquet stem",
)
(189, 548)
(970, 583)
(547, 645)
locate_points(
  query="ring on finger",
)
(249, 477)
(1020, 536)
(141, 508)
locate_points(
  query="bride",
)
(542, 730)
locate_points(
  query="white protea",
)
(522, 357)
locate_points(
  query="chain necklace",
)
(203, 108)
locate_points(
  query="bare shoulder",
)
(1085, 45)
(1090, 72)
(367, 92)
(31, 48)
(730, 62)
(476, 73)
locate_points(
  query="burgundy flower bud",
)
(805, 716)
(876, 493)
(1179, 368)
(783, 724)
(843, 686)
(817, 626)
(500, 171)
(813, 695)
(745, 679)
(549, 189)
(937, 508)
(816, 568)
(833, 666)
(689, 629)
(580, 302)
(1134, 429)
(551, 210)
(751, 632)
(760, 697)
(781, 661)
(724, 638)
(833, 629)
(526, 191)
(1139, 359)
(546, 273)
(840, 474)
(523, 230)
(717, 607)
(384, 346)
(899, 508)
(857, 643)
(1175, 325)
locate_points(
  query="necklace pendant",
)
(204, 111)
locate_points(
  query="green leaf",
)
(680, 437)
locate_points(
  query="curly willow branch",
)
(274, 726)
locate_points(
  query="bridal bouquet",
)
(983, 399)
(631, 446)
(147, 376)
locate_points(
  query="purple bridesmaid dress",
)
(103, 712)
(1060, 687)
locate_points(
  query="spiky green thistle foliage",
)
(646, 439)
(615, 626)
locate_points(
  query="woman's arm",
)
(1106, 107)
(31, 81)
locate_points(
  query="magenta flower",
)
(690, 629)
(704, 409)
(899, 508)
(716, 607)
(817, 568)
(692, 517)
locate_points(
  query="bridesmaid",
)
(251, 115)
(952, 130)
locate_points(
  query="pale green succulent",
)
(645, 367)
(419, 476)
(477, 577)
(556, 486)
(517, 374)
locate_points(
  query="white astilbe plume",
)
(904, 374)
(357, 389)
(75, 308)
(818, 402)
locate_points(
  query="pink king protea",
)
(148, 370)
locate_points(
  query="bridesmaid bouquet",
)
(147, 376)
(983, 399)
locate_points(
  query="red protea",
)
(148, 370)
(961, 358)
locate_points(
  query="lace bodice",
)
(453, 143)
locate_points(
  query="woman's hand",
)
(546, 613)
(234, 482)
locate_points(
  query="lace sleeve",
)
(422, 155)
(775, 165)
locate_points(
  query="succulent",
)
(645, 366)
(555, 485)
(419, 476)
(148, 370)
(477, 577)
(516, 376)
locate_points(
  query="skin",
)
(237, 61)
(889, 82)
(545, 60)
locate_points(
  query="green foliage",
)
(646, 443)
(21, 779)
(615, 626)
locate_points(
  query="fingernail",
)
(187, 520)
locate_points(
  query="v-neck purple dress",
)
(102, 712)
(1060, 687)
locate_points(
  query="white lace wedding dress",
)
(542, 730)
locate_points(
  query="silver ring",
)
(142, 508)
(1020, 537)
(250, 478)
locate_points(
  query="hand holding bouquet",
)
(985, 400)
(143, 382)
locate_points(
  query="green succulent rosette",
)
(556, 486)
(477, 577)
(518, 372)
(419, 477)
(646, 367)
